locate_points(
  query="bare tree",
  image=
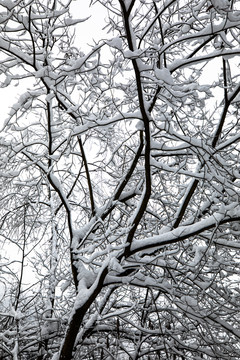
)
(119, 181)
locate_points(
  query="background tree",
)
(119, 182)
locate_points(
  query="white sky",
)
(92, 28)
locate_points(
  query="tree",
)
(119, 182)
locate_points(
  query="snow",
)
(127, 4)
(115, 42)
(199, 251)
(8, 4)
(85, 277)
(5, 45)
(65, 285)
(80, 233)
(182, 232)
(41, 72)
(95, 246)
(15, 351)
(24, 100)
(93, 122)
(82, 297)
(55, 181)
(234, 16)
(16, 314)
(164, 75)
(70, 21)
(128, 54)
(115, 265)
(50, 327)
(164, 229)
(189, 300)
(221, 4)
(140, 125)
(198, 175)
(185, 28)
(2, 290)
(225, 325)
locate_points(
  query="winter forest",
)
(120, 180)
